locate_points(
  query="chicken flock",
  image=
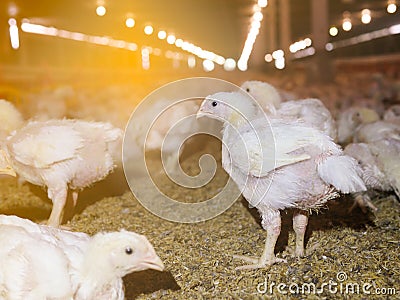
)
(281, 151)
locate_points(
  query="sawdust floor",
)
(355, 250)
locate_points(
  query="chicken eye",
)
(128, 250)
(214, 103)
(248, 90)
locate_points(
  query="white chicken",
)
(392, 114)
(310, 111)
(380, 164)
(49, 103)
(42, 262)
(163, 125)
(11, 118)
(61, 154)
(150, 126)
(265, 94)
(278, 165)
(350, 119)
(375, 131)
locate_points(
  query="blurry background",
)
(143, 44)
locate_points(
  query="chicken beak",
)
(8, 171)
(200, 113)
(154, 263)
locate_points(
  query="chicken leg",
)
(271, 221)
(59, 197)
(300, 221)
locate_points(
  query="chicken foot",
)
(272, 223)
(363, 201)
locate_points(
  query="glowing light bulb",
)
(329, 47)
(148, 29)
(14, 35)
(12, 10)
(366, 16)
(130, 22)
(347, 24)
(268, 57)
(191, 61)
(278, 54)
(391, 8)
(171, 39)
(333, 31)
(258, 16)
(101, 10)
(229, 64)
(208, 65)
(262, 3)
(242, 65)
(179, 43)
(162, 34)
(280, 63)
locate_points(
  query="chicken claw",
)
(363, 201)
(257, 263)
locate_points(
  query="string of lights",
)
(192, 52)
(303, 48)
(254, 30)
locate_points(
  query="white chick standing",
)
(41, 262)
(282, 164)
(310, 111)
(61, 154)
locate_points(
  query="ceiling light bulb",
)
(171, 39)
(101, 10)
(347, 25)
(262, 3)
(148, 29)
(130, 22)
(162, 34)
(366, 16)
(333, 31)
(391, 8)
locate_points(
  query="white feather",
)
(343, 172)
(41, 147)
(11, 118)
(265, 147)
